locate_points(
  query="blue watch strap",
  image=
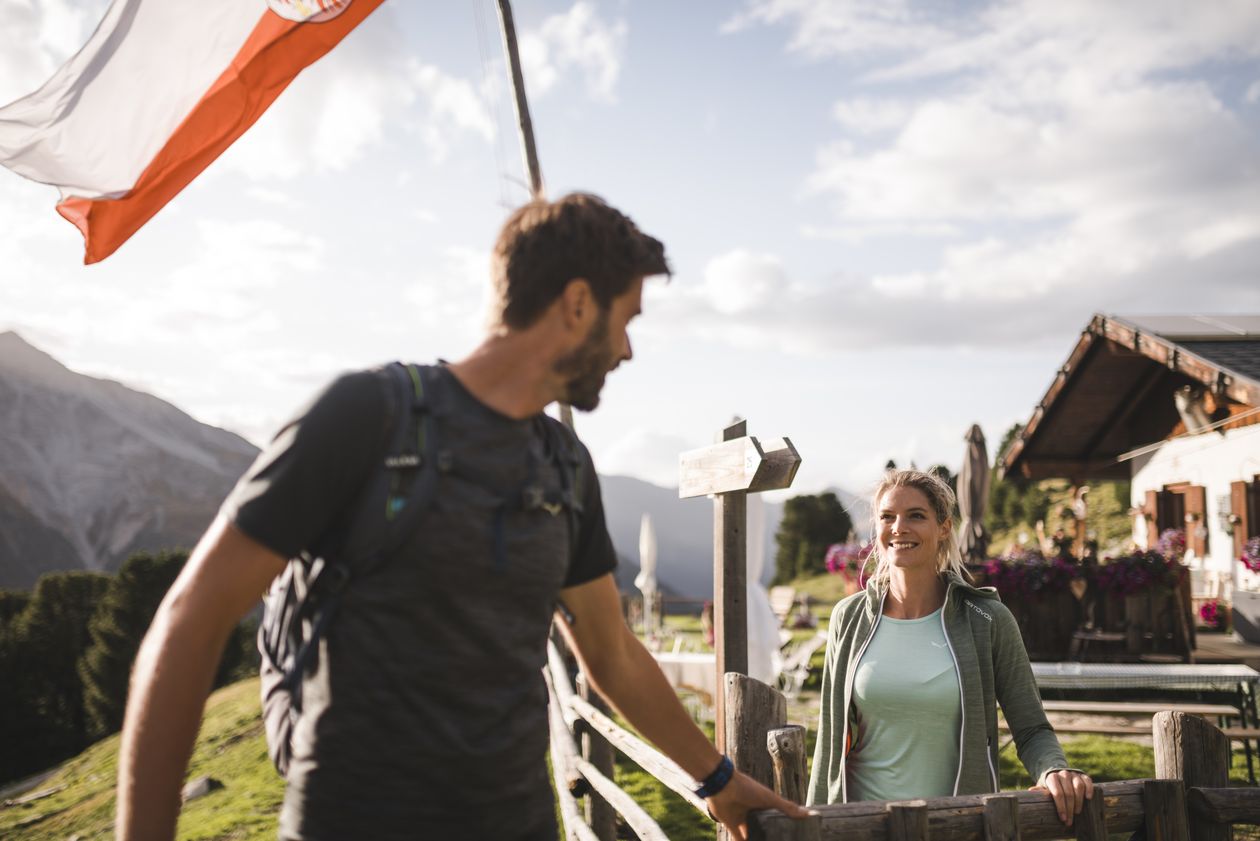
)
(717, 781)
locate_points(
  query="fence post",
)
(752, 709)
(907, 821)
(787, 755)
(1164, 802)
(595, 749)
(1091, 823)
(786, 746)
(1001, 818)
(1191, 749)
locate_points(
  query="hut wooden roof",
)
(1115, 391)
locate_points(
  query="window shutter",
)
(1151, 512)
(1239, 499)
(1195, 524)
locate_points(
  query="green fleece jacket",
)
(989, 655)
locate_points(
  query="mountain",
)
(684, 535)
(92, 471)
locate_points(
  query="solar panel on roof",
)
(1202, 327)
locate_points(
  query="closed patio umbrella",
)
(973, 495)
(646, 579)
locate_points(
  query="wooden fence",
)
(1191, 799)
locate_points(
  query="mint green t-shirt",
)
(907, 713)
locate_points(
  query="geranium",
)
(1251, 554)
(847, 559)
(1213, 615)
(1030, 574)
(1136, 573)
(1172, 544)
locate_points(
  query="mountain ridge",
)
(94, 471)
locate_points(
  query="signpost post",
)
(729, 470)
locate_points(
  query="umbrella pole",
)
(528, 148)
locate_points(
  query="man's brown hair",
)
(544, 245)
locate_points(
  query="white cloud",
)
(740, 281)
(646, 454)
(1252, 96)
(830, 27)
(871, 116)
(451, 299)
(1064, 158)
(454, 107)
(577, 40)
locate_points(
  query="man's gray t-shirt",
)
(428, 705)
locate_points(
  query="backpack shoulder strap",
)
(414, 459)
(566, 453)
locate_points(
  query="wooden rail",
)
(1190, 800)
(576, 776)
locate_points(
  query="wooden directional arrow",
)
(743, 464)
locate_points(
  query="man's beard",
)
(585, 368)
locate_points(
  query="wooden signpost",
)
(734, 467)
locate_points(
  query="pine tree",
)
(116, 629)
(810, 524)
(43, 719)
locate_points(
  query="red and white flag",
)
(157, 93)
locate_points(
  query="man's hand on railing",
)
(731, 805)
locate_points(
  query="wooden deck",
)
(1223, 648)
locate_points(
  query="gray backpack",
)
(303, 601)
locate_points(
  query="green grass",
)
(230, 749)
(1105, 760)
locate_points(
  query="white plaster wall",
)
(1214, 461)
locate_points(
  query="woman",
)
(916, 664)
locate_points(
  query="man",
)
(425, 716)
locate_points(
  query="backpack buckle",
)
(535, 498)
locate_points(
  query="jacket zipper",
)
(848, 688)
(962, 700)
(988, 754)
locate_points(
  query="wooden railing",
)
(588, 772)
(1191, 799)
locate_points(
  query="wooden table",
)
(692, 670)
(1235, 681)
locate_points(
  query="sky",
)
(887, 220)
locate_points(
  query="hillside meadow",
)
(231, 749)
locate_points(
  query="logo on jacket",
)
(973, 606)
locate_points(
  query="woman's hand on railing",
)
(1069, 789)
(731, 805)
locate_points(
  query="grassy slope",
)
(232, 750)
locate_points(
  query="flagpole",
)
(528, 149)
(522, 104)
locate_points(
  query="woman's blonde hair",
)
(941, 497)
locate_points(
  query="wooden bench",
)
(1235, 733)
(1139, 709)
